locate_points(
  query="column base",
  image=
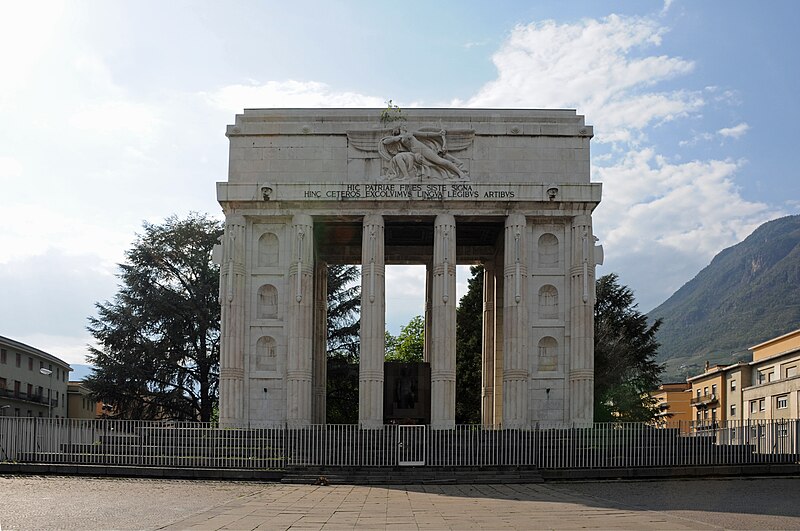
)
(370, 424)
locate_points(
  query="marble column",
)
(300, 325)
(498, 336)
(320, 374)
(443, 324)
(582, 288)
(231, 296)
(373, 324)
(515, 323)
(487, 346)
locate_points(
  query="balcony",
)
(710, 399)
(20, 395)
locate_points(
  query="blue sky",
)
(115, 112)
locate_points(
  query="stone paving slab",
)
(31, 502)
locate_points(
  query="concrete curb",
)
(677, 472)
(139, 472)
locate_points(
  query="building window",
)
(41, 365)
(733, 385)
(782, 402)
(762, 405)
(698, 416)
(30, 363)
(733, 434)
(753, 406)
(30, 391)
(733, 410)
(769, 375)
(705, 391)
(783, 430)
(790, 371)
(714, 389)
(698, 393)
(3, 356)
(19, 359)
(2, 384)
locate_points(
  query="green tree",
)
(158, 339)
(625, 370)
(344, 303)
(409, 345)
(469, 338)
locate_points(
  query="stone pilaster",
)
(515, 323)
(443, 324)
(373, 324)
(582, 288)
(300, 326)
(487, 351)
(231, 296)
(320, 374)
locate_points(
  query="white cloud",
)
(287, 94)
(662, 222)
(736, 131)
(27, 30)
(109, 117)
(592, 66)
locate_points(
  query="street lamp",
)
(48, 372)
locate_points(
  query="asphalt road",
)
(40, 502)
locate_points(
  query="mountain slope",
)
(748, 293)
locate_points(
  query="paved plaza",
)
(37, 502)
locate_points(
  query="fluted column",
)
(320, 374)
(582, 289)
(300, 326)
(487, 346)
(373, 324)
(498, 338)
(515, 324)
(231, 296)
(443, 324)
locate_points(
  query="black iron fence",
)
(207, 445)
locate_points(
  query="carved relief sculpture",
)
(423, 154)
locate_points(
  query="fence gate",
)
(411, 445)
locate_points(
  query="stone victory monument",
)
(508, 189)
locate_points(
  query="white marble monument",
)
(508, 189)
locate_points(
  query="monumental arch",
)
(508, 189)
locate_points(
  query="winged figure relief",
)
(423, 154)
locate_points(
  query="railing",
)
(206, 445)
(704, 399)
(22, 395)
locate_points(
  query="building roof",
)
(22, 347)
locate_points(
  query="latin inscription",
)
(436, 192)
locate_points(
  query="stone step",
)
(410, 475)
